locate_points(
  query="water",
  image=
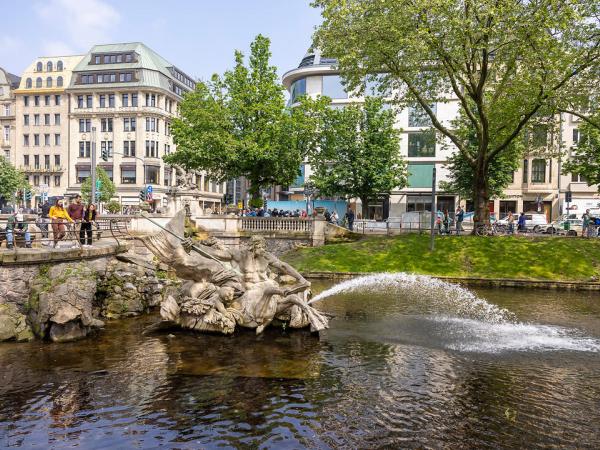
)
(397, 369)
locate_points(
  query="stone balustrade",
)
(277, 224)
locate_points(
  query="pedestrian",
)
(521, 223)
(75, 211)
(460, 216)
(510, 219)
(446, 222)
(59, 215)
(586, 228)
(438, 221)
(16, 225)
(335, 218)
(327, 216)
(45, 219)
(89, 217)
(350, 219)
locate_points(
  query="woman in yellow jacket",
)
(58, 214)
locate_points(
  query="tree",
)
(237, 125)
(113, 207)
(11, 180)
(358, 153)
(505, 62)
(585, 158)
(107, 187)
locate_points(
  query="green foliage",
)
(505, 62)
(256, 202)
(358, 153)
(107, 187)
(11, 180)
(113, 207)
(546, 258)
(586, 156)
(237, 125)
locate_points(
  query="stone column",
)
(318, 231)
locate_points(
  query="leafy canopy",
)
(586, 156)
(11, 180)
(107, 187)
(237, 125)
(358, 153)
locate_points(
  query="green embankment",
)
(542, 258)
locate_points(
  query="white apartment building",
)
(538, 185)
(42, 124)
(8, 84)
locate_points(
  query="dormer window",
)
(39, 67)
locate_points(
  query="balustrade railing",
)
(275, 224)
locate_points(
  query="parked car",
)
(534, 221)
(565, 225)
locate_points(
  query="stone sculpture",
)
(226, 287)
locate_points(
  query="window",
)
(150, 100)
(36, 140)
(57, 160)
(111, 100)
(538, 171)
(102, 100)
(56, 119)
(26, 140)
(298, 90)
(125, 77)
(128, 148)
(418, 117)
(36, 120)
(39, 66)
(525, 170)
(151, 149)
(80, 101)
(83, 173)
(57, 100)
(6, 108)
(420, 175)
(109, 172)
(167, 177)
(576, 178)
(26, 100)
(47, 140)
(28, 83)
(59, 81)
(57, 180)
(97, 59)
(575, 136)
(59, 66)
(128, 57)
(167, 128)
(421, 144)
(47, 180)
(25, 119)
(47, 119)
(36, 100)
(49, 82)
(6, 133)
(46, 162)
(26, 160)
(87, 79)
(85, 125)
(36, 180)
(108, 146)
(38, 82)
(134, 99)
(88, 101)
(49, 66)
(106, 125)
(46, 100)
(151, 124)
(333, 88)
(129, 124)
(152, 173)
(168, 150)
(128, 175)
(57, 139)
(85, 149)
(125, 100)
(36, 161)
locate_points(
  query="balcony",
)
(5, 144)
(42, 169)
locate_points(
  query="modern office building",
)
(42, 124)
(8, 84)
(538, 184)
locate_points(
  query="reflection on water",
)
(391, 372)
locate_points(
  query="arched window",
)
(28, 83)
(49, 66)
(39, 66)
(59, 66)
(59, 81)
(38, 82)
(49, 82)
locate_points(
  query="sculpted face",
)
(226, 293)
(257, 245)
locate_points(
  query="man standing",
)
(16, 225)
(45, 219)
(522, 222)
(350, 219)
(75, 211)
(460, 216)
(586, 228)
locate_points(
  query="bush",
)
(256, 202)
(113, 207)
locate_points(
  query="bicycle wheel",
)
(481, 230)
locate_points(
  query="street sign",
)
(149, 189)
(98, 184)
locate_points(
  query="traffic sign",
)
(149, 189)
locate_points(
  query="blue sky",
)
(197, 36)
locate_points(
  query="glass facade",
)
(333, 88)
(421, 144)
(298, 89)
(420, 175)
(417, 117)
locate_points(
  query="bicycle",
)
(487, 229)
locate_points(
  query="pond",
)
(399, 367)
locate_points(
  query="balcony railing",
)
(293, 225)
(42, 169)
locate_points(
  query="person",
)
(58, 215)
(460, 216)
(335, 218)
(89, 217)
(350, 219)
(510, 219)
(446, 222)
(438, 221)
(75, 211)
(45, 219)
(327, 216)
(17, 225)
(521, 223)
(586, 228)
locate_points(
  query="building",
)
(538, 184)
(8, 84)
(42, 125)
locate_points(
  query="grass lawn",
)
(541, 258)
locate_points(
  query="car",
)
(534, 221)
(565, 225)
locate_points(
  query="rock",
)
(129, 286)
(13, 324)
(70, 331)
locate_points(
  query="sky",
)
(199, 37)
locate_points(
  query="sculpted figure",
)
(226, 286)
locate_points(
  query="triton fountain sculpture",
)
(226, 287)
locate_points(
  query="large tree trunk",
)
(481, 197)
(254, 191)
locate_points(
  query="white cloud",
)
(78, 24)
